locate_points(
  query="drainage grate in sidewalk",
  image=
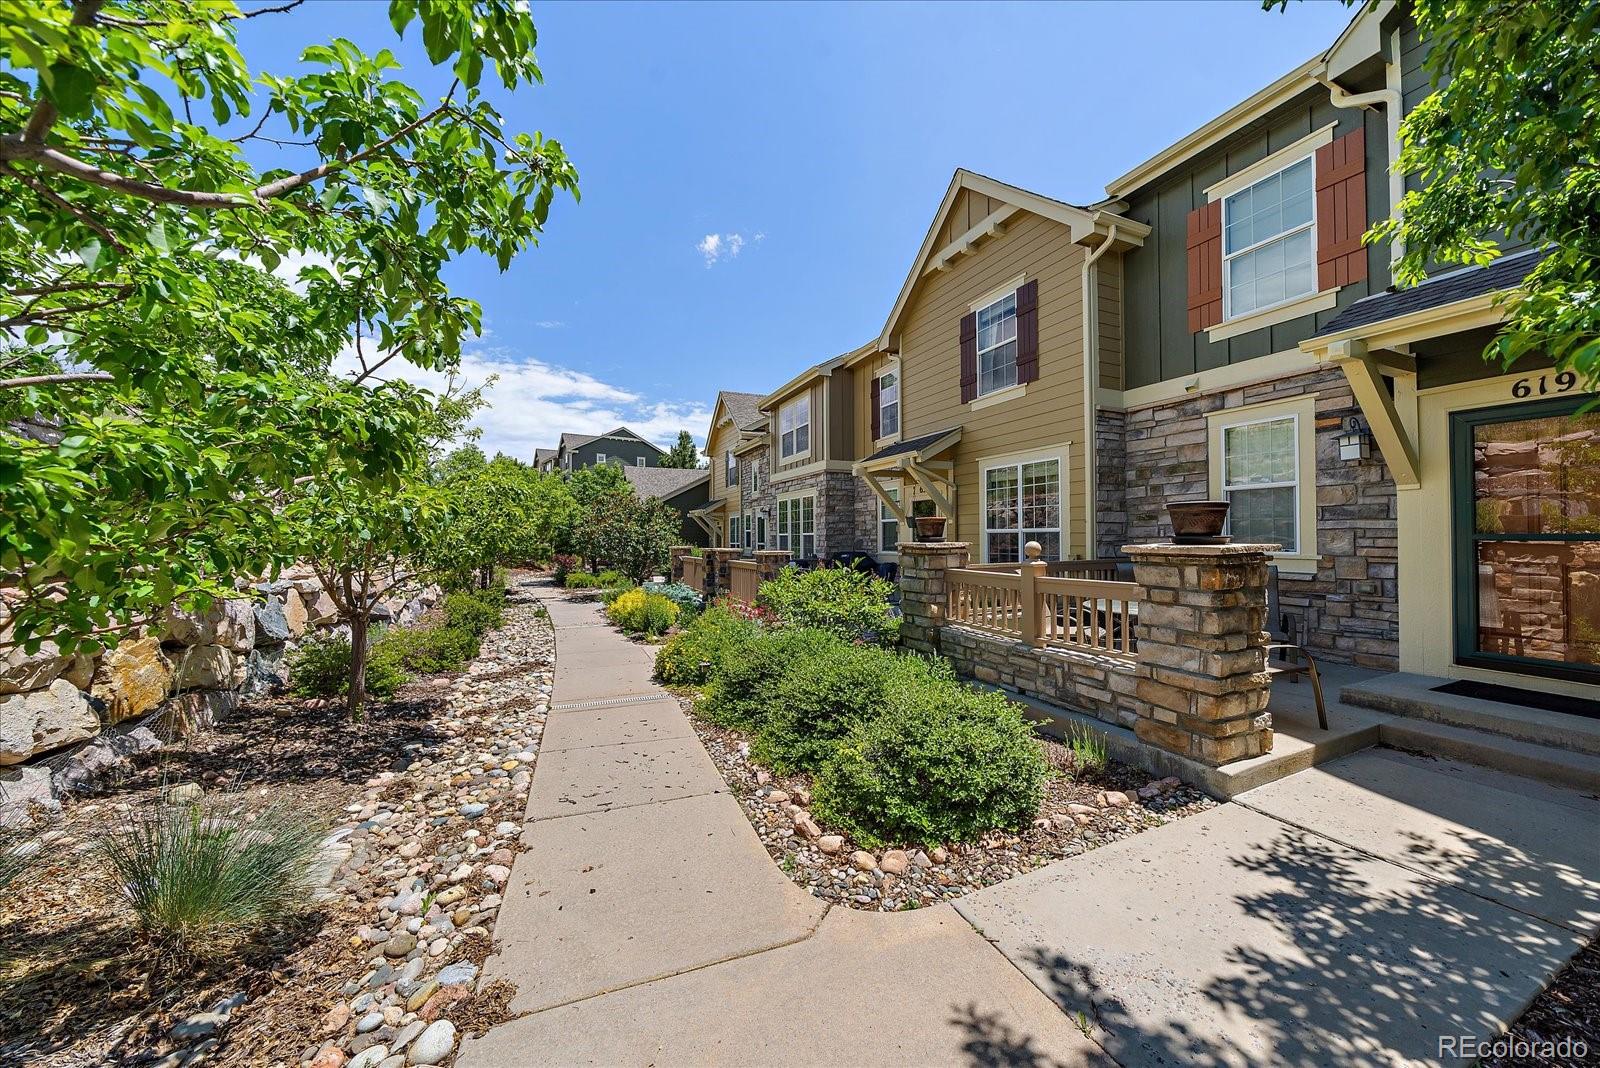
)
(606, 702)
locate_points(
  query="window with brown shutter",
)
(1342, 211)
(1028, 331)
(1205, 266)
(969, 356)
(877, 415)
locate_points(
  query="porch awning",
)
(912, 451)
(1504, 273)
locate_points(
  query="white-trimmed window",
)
(1022, 503)
(755, 476)
(794, 427)
(749, 533)
(1269, 241)
(1261, 480)
(997, 345)
(888, 404)
(888, 523)
(599, 458)
(733, 532)
(797, 526)
(731, 476)
(761, 532)
(638, 461)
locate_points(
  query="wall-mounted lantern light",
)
(1355, 442)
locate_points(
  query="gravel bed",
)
(1076, 815)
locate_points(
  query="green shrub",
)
(743, 685)
(943, 764)
(827, 691)
(688, 599)
(852, 604)
(476, 611)
(582, 580)
(1088, 747)
(199, 882)
(320, 667)
(612, 577)
(610, 595)
(638, 612)
(424, 650)
(689, 658)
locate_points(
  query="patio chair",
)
(1280, 646)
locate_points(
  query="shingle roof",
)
(663, 481)
(1504, 273)
(910, 445)
(541, 455)
(574, 441)
(742, 407)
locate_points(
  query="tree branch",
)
(44, 112)
(64, 204)
(54, 380)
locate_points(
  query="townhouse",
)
(1216, 328)
(621, 447)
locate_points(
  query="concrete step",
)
(1406, 694)
(1560, 767)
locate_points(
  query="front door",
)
(1526, 498)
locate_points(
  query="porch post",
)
(1031, 571)
(717, 577)
(924, 589)
(771, 561)
(675, 554)
(1202, 679)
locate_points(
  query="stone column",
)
(1202, 676)
(717, 578)
(675, 554)
(771, 561)
(923, 589)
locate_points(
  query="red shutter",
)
(1342, 211)
(877, 410)
(969, 356)
(1205, 266)
(1028, 331)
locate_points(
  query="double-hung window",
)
(888, 525)
(749, 533)
(1022, 503)
(888, 404)
(797, 526)
(638, 461)
(1269, 241)
(1261, 480)
(794, 427)
(599, 458)
(997, 345)
(731, 476)
(733, 532)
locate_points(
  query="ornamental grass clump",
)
(18, 847)
(200, 882)
(938, 764)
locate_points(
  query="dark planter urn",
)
(930, 527)
(1198, 522)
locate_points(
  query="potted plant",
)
(1197, 521)
(930, 527)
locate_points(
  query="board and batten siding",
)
(862, 376)
(970, 208)
(930, 363)
(1159, 343)
(1109, 324)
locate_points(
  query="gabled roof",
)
(1504, 273)
(576, 441)
(1084, 222)
(664, 482)
(541, 455)
(742, 408)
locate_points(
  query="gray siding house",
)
(621, 447)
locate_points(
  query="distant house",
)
(621, 447)
(685, 490)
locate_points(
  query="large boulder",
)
(81, 671)
(132, 679)
(25, 790)
(103, 759)
(184, 627)
(37, 722)
(204, 667)
(272, 625)
(240, 636)
(21, 671)
(266, 670)
(320, 609)
(188, 713)
(294, 612)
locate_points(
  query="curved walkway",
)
(646, 925)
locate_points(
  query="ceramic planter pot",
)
(1197, 521)
(930, 527)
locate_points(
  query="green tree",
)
(628, 533)
(1508, 143)
(502, 513)
(683, 454)
(171, 398)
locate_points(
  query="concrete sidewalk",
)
(646, 925)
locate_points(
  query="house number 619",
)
(1543, 385)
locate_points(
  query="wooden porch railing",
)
(1027, 604)
(744, 580)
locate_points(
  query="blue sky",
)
(811, 143)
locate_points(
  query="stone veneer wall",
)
(764, 503)
(1348, 610)
(836, 523)
(1111, 483)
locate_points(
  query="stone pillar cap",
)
(1239, 548)
(930, 546)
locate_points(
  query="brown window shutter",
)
(877, 412)
(1205, 266)
(1028, 331)
(1342, 210)
(969, 356)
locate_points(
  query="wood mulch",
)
(1561, 1029)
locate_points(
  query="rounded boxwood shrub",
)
(945, 764)
(743, 689)
(689, 658)
(852, 604)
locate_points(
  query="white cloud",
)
(549, 324)
(717, 247)
(533, 403)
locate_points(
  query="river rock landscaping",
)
(423, 799)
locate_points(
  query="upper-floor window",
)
(638, 461)
(1269, 241)
(997, 345)
(794, 427)
(599, 457)
(1261, 481)
(732, 474)
(888, 404)
(755, 476)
